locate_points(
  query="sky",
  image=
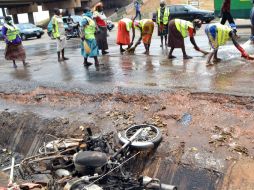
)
(38, 16)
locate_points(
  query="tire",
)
(145, 143)
(39, 36)
(23, 37)
(207, 22)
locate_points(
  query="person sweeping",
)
(89, 46)
(180, 29)
(14, 49)
(123, 33)
(146, 27)
(218, 35)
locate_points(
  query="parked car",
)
(188, 12)
(1, 25)
(76, 19)
(29, 30)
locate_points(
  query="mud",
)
(196, 154)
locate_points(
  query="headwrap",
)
(88, 14)
(197, 24)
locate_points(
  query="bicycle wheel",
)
(150, 136)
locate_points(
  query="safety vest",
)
(89, 29)
(128, 23)
(182, 26)
(143, 22)
(55, 32)
(12, 32)
(222, 34)
(165, 16)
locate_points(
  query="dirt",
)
(203, 134)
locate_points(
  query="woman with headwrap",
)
(101, 22)
(180, 29)
(14, 49)
(88, 38)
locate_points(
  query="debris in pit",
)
(157, 121)
(221, 136)
(239, 149)
(89, 162)
(186, 119)
(124, 119)
(193, 149)
(39, 97)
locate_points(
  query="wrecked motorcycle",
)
(95, 162)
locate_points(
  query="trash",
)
(194, 149)
(156, 120)
(222, 136)
(93, 162)
(239, 148)
(38, 97)
(146, 108)
(186, 119)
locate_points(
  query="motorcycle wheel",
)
(147, 140)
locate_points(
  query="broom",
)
(131, 50)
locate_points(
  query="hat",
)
(162, 2)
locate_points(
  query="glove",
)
(245, 55)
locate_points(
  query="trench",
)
(183, 161)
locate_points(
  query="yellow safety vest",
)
(222, 33)
(128, 23)
(90, 29)
(182, 26)
(56, 33)
(165, 16)
(143, 22)
(12, 32)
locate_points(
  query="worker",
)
(101, 22)
(137, 5)
(218, 35)
(146, 27)
(123, 33)
(88, 37)
(162, 21)
(226, 15)
(14, 49)
(59, 34)
(178, 30)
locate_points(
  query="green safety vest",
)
(12, 32)
(128, 23)
(182, 26)
(56, 33)
(89, 29)
(165, 16)
(222, 34)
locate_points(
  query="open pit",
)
(207, 138)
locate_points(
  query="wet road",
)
(233, 75)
